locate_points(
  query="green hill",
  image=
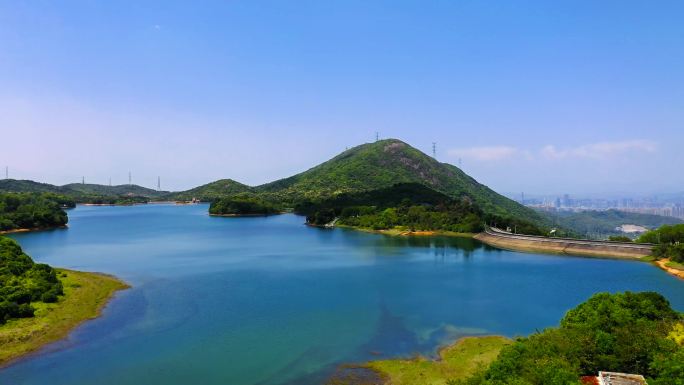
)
(212, 191)
(386, 163)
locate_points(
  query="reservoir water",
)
(271, 301)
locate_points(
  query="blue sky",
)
(541, 97)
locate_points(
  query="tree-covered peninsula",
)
(40, 304)
(407, 207)
(33, 210)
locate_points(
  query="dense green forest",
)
(33, 210)
(670, 241)
(22, 281)
(624, 332)
(406, 206)
(600, 224)
(242, 205)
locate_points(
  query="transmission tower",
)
(129, 178)
(110, 181)
(158, 183)
(377, 136)
(434, 150)
(6, 172)
(82, 180)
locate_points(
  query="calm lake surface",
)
(271, 301)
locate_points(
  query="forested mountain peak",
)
(384, 163)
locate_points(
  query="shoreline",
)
(244, 215)
(86, 294)
(24, 230)
(662, 263)
(458, 359)
(407, 233)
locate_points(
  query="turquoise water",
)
(271, 301)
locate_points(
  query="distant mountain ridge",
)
(370, 166)
(79, 190)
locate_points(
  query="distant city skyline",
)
(551, 98)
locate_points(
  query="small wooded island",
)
(242, 205)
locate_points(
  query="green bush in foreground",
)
(22, 281)
(625, 332)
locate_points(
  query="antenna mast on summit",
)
(82, 180)
(6, 172)
(110, 181)
(129, 178)
(158, 183)
(434, 150)
(377, 136)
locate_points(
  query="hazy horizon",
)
(562, 97)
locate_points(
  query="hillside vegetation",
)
(32, 210)
(669, 241)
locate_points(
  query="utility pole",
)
(434, 150)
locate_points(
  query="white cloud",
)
(485, 154)
(600, 150)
